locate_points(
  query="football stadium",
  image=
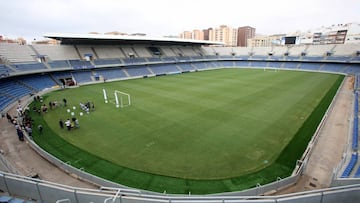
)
(144, 119)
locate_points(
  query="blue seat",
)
(350, 166)
(5, 199)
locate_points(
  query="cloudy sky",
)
(32, 18)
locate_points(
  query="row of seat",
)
(8, 199)
(350, 166)
(82, 64)
(355, 139)
(355, 134)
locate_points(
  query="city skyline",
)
(31, 19)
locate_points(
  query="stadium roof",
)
(66, 38)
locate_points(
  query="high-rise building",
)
(206, 33)
(264, 40)
(230, 36)
(337, 34)
(186, 35)
(198, 35)
(245, 33)
(224, 34)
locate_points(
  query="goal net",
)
(120, 99)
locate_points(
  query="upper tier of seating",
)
(16, 53)
(24, 58)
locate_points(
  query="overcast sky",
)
(32, 18)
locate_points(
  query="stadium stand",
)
(350, 166)
(57, 52)
(29, 66)
(9, 199)
(178, 52)
(164, 69)
(61, 75)
(333, 67)
(155, 51)
(258, 64)
(296, 51)
(167, 51)
(204, 65)
(242, 52)
(197, 58)
(16, 53)
(154, 59)
(38, 82)
(59, 64)
(259, 57)
(107, 62)
(138, 71)
(13, 89)
(261, 51)
(82, 76)
(183, 58)
(310, 66)
(80, 64)
(279, 51)
(242, 63)
(209, 51)
(4, 71)
(187, 51)
(170, 59)
(85, 51)
(187, 66)
(312, 58)
(141, 51)
(134, 60)
(222, 51)
(319, 50)
(226, 63)
(128, 51)
(292, 58)
(338, 58)
(108, 52)
(275, 64)
(292, 65)
(346, 50)
(355, 134)
(110, 74)
(5, 100)
(352, 69)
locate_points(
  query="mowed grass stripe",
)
(211, 125)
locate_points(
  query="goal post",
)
(105, 96)
(122, 99)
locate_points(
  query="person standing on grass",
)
(68, 124)
(61, 123)
(40, 128)
(77, 124)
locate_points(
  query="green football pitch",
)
(202, 132)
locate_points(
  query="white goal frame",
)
(124, 101)
(122, 94)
